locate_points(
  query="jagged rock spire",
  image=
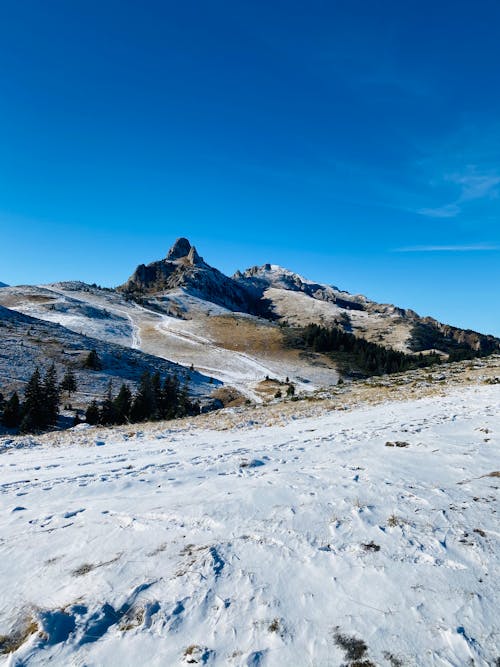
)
(181, 248)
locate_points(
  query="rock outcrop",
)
(184, 268)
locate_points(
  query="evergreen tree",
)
(123, 404)
(34, 413)
(169, 397)
(92, 413)
(12, 412)
(107, 414)
(92, 361)
(184, 406)
(144, 407)
(51, 396)
(157, 395)
(68, 383)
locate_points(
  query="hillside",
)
(235, 348)
(26, 342)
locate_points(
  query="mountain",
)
(240, 329)
(184, 268)
(3, 285)
(299, 301)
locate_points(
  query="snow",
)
(259, 545)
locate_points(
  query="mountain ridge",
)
(240, 329)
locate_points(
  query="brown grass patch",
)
(11, 642)
(229, 397)
(242, 334)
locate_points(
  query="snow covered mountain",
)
(232, 328)
(3, 285)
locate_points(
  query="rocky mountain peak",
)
(183, 250)
(180, 249)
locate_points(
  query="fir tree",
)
(92, 361)
(184, 406)
(68, 383)
(144, 407)
(12, 412)
(169, 397)
(123, 404)
(107, 413)
(34, 413)
(51, 396)
(92, 413)
(157, 395)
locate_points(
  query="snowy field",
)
(364, 537)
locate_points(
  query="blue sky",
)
(357, 143)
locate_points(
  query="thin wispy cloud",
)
(474, 247)
(473, 186)
(446, 211)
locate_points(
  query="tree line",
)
(154, 399)
(42, 396)
(357, 353)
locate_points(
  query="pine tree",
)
(107, 414)
(92, 361)
(184, 406)
(157, 395)
(51, 396)
(123, 404)
(92, 413)
(12, 412)
(169, 397)
(34, 413)
(144, 407)
(68, 383)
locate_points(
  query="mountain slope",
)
(27, 342)
(237, 349)
(300, 302)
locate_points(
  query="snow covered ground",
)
(363, 537)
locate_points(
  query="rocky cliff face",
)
(184, 268)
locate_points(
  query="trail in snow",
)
(136, 342)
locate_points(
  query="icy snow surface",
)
(270, 546)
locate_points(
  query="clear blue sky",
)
(357, 143)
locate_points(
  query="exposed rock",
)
(181, 248)
(185, 268)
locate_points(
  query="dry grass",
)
(241, 334)
(11, 642)
(229, 397)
